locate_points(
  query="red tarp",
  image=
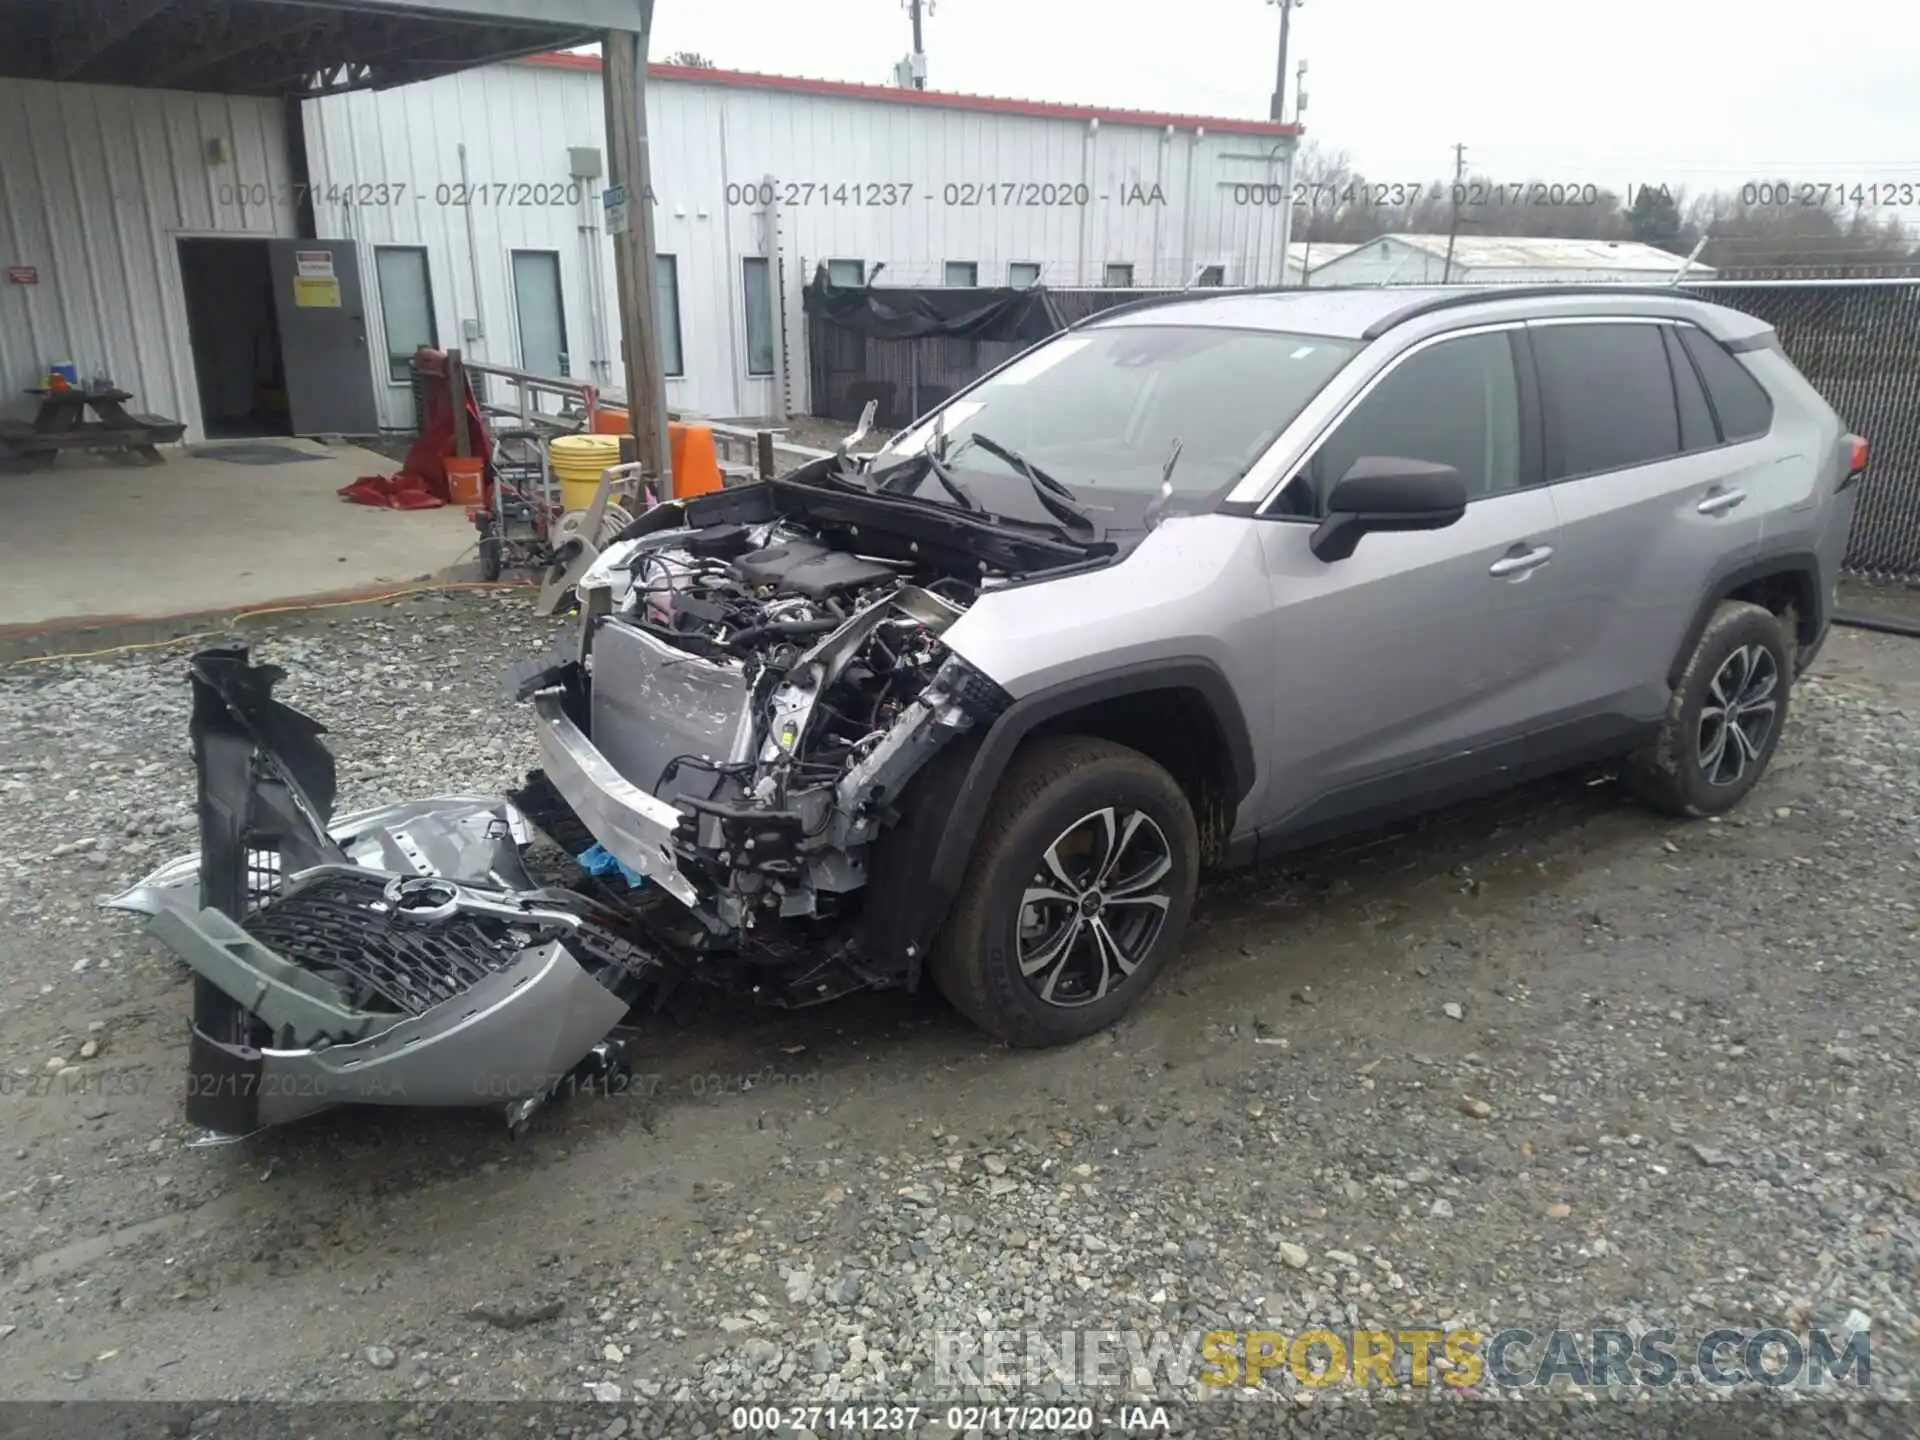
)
(421, 482)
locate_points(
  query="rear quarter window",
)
(1740, 402)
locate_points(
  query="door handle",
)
(1523, 562)
(1720, 502)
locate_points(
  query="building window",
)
(961, 274)
(406, 305)
(1022, 273)
(540, 312)
(666, 298)
(1213, 275)
(847, 273)
(1119, 277)
(756, 283)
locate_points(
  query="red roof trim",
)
(937, 99)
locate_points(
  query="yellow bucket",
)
(577, 461)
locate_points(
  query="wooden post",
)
(763, 454)
(457, 392)
(629, 171)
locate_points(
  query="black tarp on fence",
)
(909, 349)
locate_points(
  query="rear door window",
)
(1740, 402)
(1607, 394)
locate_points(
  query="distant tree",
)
(1336, 202)
(692, 59)
(1655, 219)
(1744, 231)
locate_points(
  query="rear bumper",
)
(512, 1036)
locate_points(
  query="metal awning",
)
(287, 47)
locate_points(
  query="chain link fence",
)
(1859, 343)
(1857, 340)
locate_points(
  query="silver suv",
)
(1190, 584)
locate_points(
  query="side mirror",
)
(1387, 492)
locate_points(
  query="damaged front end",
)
(749, 750)
(758, 680)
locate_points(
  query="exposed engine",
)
(779, 691)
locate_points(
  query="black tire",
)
(492, 554)
(1678, 772)
(1052, 797)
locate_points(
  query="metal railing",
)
(753, 454)
(578, 400)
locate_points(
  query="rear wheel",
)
(492, 552)
(1724, 719)
(1077, 894)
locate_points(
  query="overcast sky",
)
(1705, 92)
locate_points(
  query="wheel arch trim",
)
(1020, 719)
(911, 925)
(1799, 564)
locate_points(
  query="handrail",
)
(529, 386)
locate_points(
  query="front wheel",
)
(1077, 894)
(1724, 719)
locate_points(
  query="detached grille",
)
(329, 925)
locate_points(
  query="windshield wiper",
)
(886, 482)
(1059, 501)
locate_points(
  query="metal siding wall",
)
(517, 123)
(519, 120)
(98, 182)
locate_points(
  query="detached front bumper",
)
(512, 1037)
(401, 956)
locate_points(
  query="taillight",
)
(1856, 460)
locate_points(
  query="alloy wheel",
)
(1094, 906)
(1738, 716)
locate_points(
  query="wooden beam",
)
(624, 82)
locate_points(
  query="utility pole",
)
(1453, 224)
(629, 202)
(912, 71)
(1277, 110)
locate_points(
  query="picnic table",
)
(62, 424)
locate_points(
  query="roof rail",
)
(1480, 294)
(1211, 292)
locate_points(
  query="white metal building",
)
(757, 180)
(98, 186)
(1305, 257)
(473, 202)
(1422, 260)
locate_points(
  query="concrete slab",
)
(95, 539)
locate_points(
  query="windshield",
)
(1101, 409)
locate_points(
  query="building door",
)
(232, 326)
(323, 337)
(542, 317)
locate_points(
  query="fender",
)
(931, 850)
(1813, 625)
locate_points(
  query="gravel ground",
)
(1544, 1060)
